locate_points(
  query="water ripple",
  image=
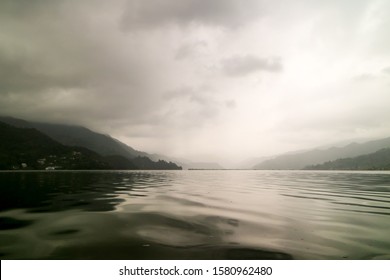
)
(195, 215)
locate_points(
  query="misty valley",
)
(67, 192)
(46, 146)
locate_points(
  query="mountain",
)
(185, 163)
(71, 135)
(116, 154)
(147, 164)
(203, 165)
(120, 163)
(250, 162)
(379, 160)
(28, 148)
(318, 156)
(102, 144)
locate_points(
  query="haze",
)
(218, 80)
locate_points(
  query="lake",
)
(195, 214)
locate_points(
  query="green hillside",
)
(116, 154)
(300, 160)
(379, 160)
(27, 148)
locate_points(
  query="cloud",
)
(67, 57)
(386, 70)
(168, 72)
(245, 65)
(231, 104)
(364, 77)
(155, 14)
(187, 104)
(187, 50)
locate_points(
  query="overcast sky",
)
(217, 80)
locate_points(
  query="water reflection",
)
(59, 191)
(194, 215)
(10, 223)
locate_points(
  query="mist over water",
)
(195, 215)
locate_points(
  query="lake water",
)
(195, 215)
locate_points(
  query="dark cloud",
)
(58, 57)
(226, 13)
(244, 65)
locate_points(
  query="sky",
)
(218, 80)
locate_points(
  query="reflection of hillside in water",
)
(59, 191)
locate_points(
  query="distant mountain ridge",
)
(380, 160)
(72, 135)
(28, 148)
(105, 145)
(113, 152)
(301, 160)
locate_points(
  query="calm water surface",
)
(195, 215)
